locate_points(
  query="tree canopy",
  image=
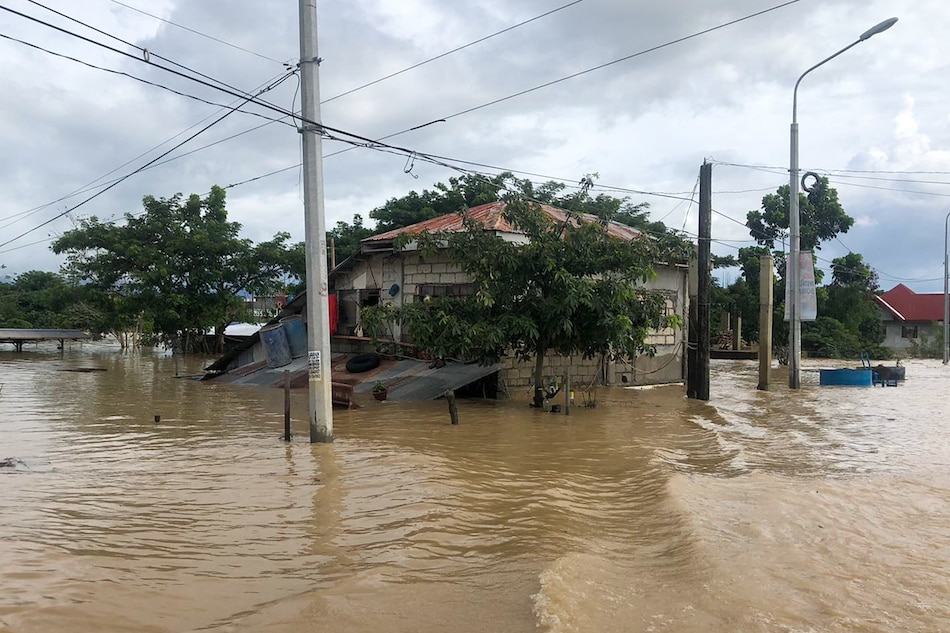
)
(471, 190)
(177, 269)
(849, 321)
(822, 217)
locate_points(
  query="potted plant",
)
(380, 391)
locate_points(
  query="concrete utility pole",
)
(765, 319)
(318, 309)
(946, 296)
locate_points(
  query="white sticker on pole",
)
(313, 363)
(807, 294)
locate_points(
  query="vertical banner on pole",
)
(807, 294)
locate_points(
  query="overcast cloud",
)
(644, 124)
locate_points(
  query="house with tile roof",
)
(909, 318)
(380, 274)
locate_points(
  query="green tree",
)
(36, 298)
(346, 237)
(571, 288)
(471, 190)
(849, 299)
(179, 268)
(822, 217)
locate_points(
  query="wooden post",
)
(567, 392)
(453, 407)
(765, 320)
(737, 334)
(176, 362)
(692, 362)
(286, 405)
(704, 281)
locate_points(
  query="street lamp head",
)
(878, 28)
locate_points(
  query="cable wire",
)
(139, 169)
(199, 33)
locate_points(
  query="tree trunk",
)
(539, 378)
(219, 338)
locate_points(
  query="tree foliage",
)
(570, 288)
(849, 321)
(176, 270)
(471, 190)
(822, 217)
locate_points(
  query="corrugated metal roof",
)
(11, 334)
(407, 379)
(412, 380)
(491, 217)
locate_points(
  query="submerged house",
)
(379, 273)
(910, 319)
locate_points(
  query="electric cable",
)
(454, 50)
(191, 30)
(137, 170)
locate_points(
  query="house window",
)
(909, 331)
(369, 297)
(444, 290)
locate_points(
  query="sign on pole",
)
(806, 288)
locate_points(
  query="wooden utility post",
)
(567, 391)
(453, 407)
(692, 359)
(703, 283)
(765, 320)
(286, 405)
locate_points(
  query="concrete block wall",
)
(664, 368)
(429, 269)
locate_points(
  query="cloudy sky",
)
(876, 120)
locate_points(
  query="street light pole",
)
(794, 221)
(946, 296)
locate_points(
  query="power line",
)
(623, 59)
(146, 54)
(589, 70)
(454, 50)
(199, 33)
(131, 76)
(266, 104)
(848, 173)
(366, 142)
(137, 170)
(87, 187)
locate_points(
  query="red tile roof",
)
(907, 305)
(491, 217)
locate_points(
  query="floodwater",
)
(822, 510)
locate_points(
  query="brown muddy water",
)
(824, 510)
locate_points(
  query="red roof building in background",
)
(909, 317)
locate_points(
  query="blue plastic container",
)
(296, 331)
(276, 347)
(846, 377)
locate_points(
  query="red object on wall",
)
(334, 314)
